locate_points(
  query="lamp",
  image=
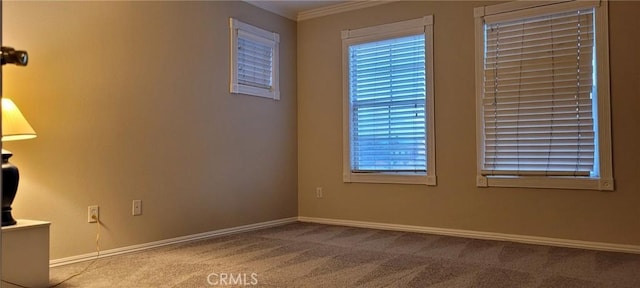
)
(14, 127)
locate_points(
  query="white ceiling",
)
(290, 8)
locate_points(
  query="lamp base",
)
(7, 219)
(10, 178)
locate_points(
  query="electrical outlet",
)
(137, 208)
(318, 192)
(93, 214)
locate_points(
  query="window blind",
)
(255, 62)
(388, 96)
(538, 97)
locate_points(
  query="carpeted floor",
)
(314, 255)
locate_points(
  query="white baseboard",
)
(374, 225)
(481, 235)
(199, 236)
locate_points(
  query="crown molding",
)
(340, 8)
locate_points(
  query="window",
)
(254, 60)
(388, 103)
(543, 95)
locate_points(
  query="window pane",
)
(538, 97)
(388, 95)
(254, 63)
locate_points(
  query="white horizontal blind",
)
(538, 97)
(388, 95)
(255, 62)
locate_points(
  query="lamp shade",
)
(14, 125)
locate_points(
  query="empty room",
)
(320, 144)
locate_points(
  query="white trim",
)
(604, 97)
(481, 181)
(339, 8)
(526, 9)
(430, 102)
(390, 178)
(549, 182)
(601, 246)
(176, 240)
(518, 5)
(478, 12)
(373, 225)
(401, 27)
(255, 31)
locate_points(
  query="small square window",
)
(254, 60)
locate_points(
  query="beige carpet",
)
(314, 255)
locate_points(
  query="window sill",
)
(391, 178)
(254, 91)
(546, 182)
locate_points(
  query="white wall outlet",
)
(319, 192)
(136, 208)
(93, 214)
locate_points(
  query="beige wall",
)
(130, 101)
(456, 202)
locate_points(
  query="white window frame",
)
(376, 33)
(518, 10)
(257, 35)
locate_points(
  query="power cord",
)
(93, 261)
(83, 270)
